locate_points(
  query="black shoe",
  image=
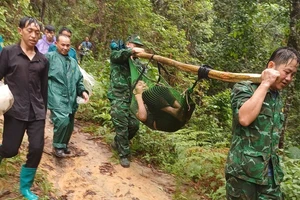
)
(124, 162)
(59, 152)
(67, 151)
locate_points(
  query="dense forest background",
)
(229, 35)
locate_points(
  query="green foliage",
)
(219, 106)
(248, 32)
(293, 152)
(154, 148)
(97, 110)
(211, 121)
(292, 132)
(10, 166)
(195, 18)
(291, 182)
(245, 35)
(11, 11)
(220, 194)
(179, 154)
(204, 166)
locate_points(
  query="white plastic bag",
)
(6, 98)
(88, 82)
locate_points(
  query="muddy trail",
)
(92, 172)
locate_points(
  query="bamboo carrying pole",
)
(214, 74)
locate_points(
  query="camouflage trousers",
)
(126, 125)
(238, 189)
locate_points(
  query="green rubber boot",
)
(26, 180)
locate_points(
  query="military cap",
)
(135, 39)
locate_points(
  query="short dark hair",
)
(64, 29)
(283, 55)
(25, 21)
(59, 36)
(49, 28)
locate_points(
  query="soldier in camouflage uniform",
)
(252, 169)
(119, 93)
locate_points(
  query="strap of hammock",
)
(202, 74)
(187, 94)
(203, 71)
(160, 67)
(142, 73)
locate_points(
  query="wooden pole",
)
(214, 74)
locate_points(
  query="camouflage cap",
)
(135, 39)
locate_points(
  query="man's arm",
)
(123, 55)
(3, 63)
(142, 111)
(120, 56)
(85, 96)
(251, 108)
(79, 47)
(81, 91)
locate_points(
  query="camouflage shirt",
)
(254, 148)
(120, 79)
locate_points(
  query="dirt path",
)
(91, 173)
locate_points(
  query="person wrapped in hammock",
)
(158, 108)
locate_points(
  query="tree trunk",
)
(286, 111)
(294, 19)
(43, 10)
(294, 42)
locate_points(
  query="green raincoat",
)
(65, 83)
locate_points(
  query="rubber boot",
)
(26, 180)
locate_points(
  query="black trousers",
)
(13, 133)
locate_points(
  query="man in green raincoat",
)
(119, 93)
(65, 84)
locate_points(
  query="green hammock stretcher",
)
(167, 109)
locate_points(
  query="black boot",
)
(124, 161)
(67, 150)
(59, 152)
